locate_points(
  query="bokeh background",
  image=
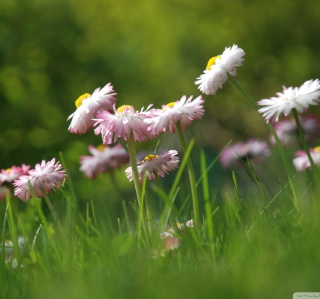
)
(152, 51)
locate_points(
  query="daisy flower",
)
(13, 173)
(218, 69)
(103, 160)
(287, 130)
(302, 162)
(88, 106)
(253, 149)
(299, 98)
(45, 176)
(119, 124)
(152, 164)
(183, 111)
(170, 242)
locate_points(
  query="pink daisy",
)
(299, 98)
(152, 164)
(253, 149)
(103, 160)
(45, 176)
(13, 173)
(183, 111)
(218, 69)
(88, 106)
(119, 124)
(302, 162)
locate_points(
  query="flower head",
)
(121, 123)
(299, 98)
(45, 176)
(287, 130)
(88, 106)
(152, 164)
(218, 69)
(302, 162)
(13, 173)
(4, 192)
(103, 160)
(183, 111)
(253, 149)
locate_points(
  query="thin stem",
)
(192, 179)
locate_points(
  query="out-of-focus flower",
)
(103, 160)
(9, 250)
(120, 124)
(4, 192)
(170, 242)
(183, 111)
(302, 162)
(152, 164)
(88, 106)
(218, 69)
(45, 176)
(253, 149)
(13, 173)
(299, 98)
(287, 130)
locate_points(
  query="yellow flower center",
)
(170, 105)
(8, 170)
(81, 98)
(317, 149)
(212, 61)
(149, 158)
(100, 147)
(123, 107)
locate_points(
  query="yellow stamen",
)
(149, 158)
(212, 61)
(8, 170)
(123, 107)
(317, 149)
(81, 98)
(101, 147)
(171, 104)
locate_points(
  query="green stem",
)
(195, 201)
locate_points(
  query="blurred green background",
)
(152, 51)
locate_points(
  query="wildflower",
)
(9, 252)
(183, 111)
(218, 68)
(152, 164)
(45, 176)
(302, 162)
(4, 192)
(253, 149)
(170, 242)
(13, 173)
(88, 106)
(103, 160)
(299, 98)
(287, 130)
(120, 124)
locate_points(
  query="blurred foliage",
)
(152, 51)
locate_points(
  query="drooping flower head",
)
(13, 173)
(88, 106)
(45, 176)
(253, 149)
(299, 98)
(184, 111)
(152, 164)
(218, 69)
(302, 162)
(121, 123)
(103, 160)
(287, 130)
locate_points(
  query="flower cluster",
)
(253, 149)
(302, 162)
(45, 176)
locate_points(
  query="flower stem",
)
(195, 201)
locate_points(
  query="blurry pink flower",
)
(169, 242)
(4, 191)
(13, 173)
(218, 69)
(46, 175)
(183, 111)
(299, 98)
(287, 130)
(103, 160)
(302, 162)
(253, 149)
(120, 124)
(152, 164)
(88, 106)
